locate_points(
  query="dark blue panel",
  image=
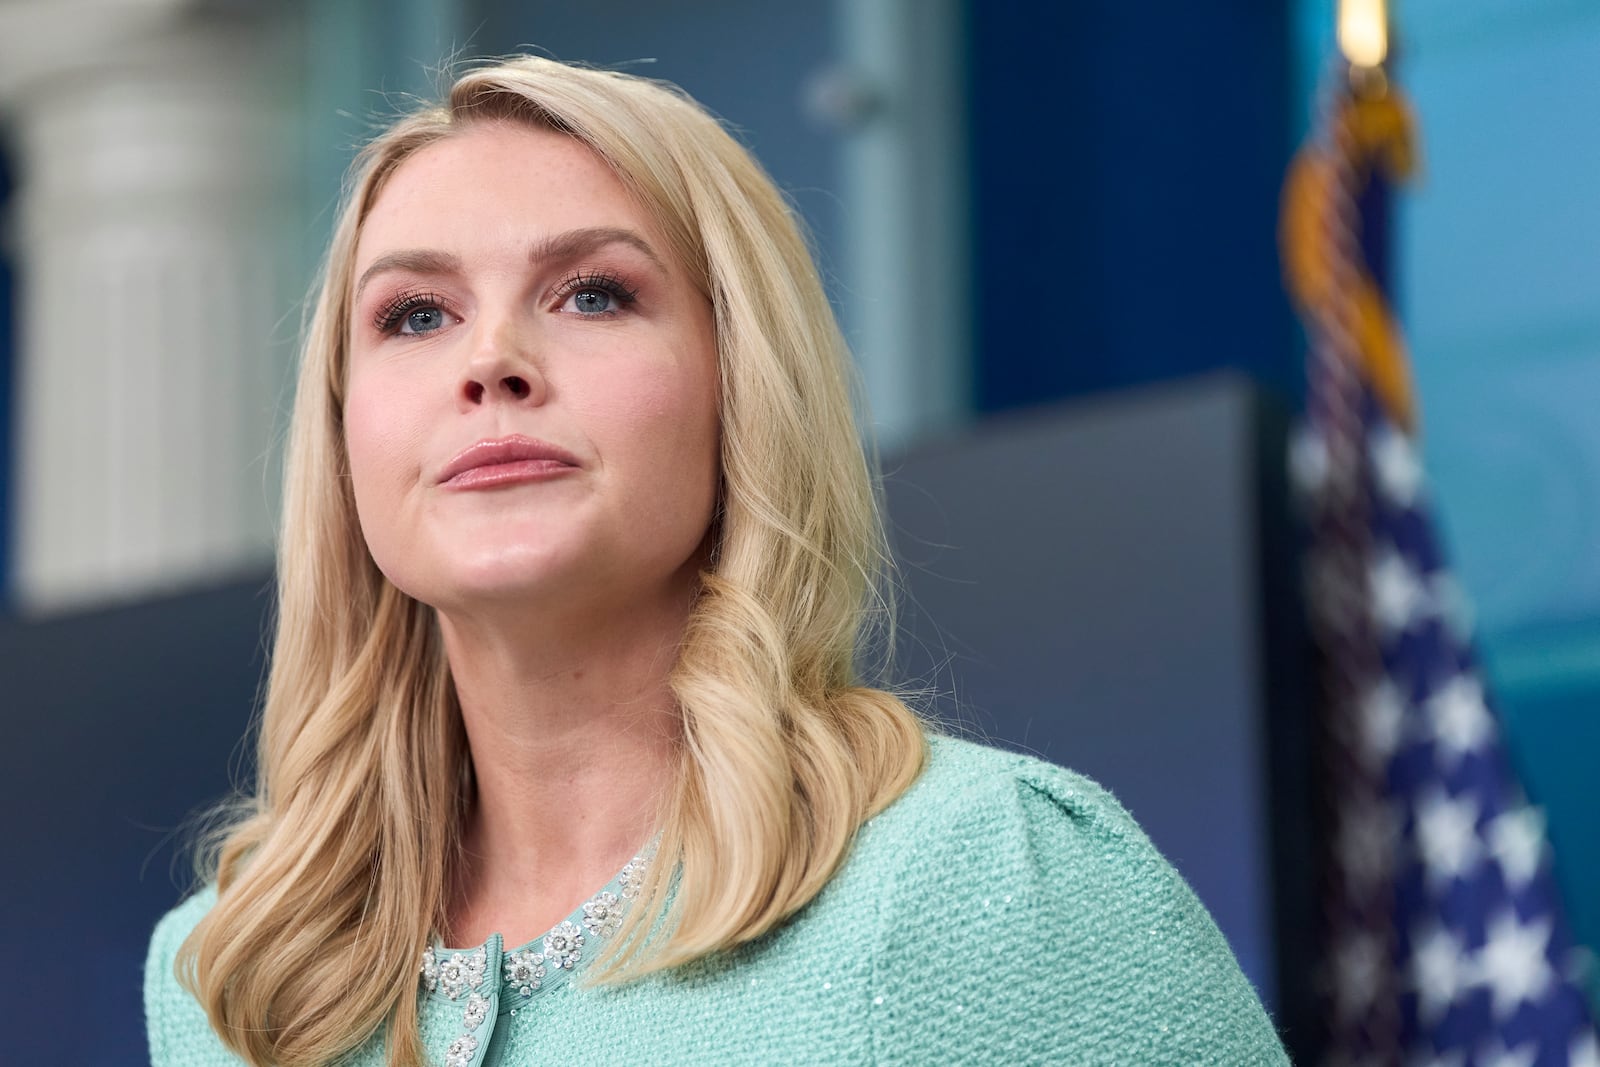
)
(121, 725)
(1127, 160)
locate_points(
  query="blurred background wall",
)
(1016, 206)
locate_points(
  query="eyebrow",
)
(575, 243)
(557, 247)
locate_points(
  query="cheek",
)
(666, 427)
(382, 439)
(683, 419)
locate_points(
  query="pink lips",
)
(505, 461)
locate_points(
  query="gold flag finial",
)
(1369, 132)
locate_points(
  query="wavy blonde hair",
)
(332, 883)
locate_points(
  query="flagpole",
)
(1356, 980)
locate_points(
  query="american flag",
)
(1444, 939)
(1476, 963)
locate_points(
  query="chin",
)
(494, 578)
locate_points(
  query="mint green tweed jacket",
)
(1003, 911)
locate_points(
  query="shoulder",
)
(960, 770)
(175, 1024)
(176, 925)
(984, 817)
(1020, 906)
(1012, 799)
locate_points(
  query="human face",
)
(531, 398)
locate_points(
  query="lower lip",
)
(495, 475)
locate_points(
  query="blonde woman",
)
(565, 756)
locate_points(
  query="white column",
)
(156, 228)
(900, 100)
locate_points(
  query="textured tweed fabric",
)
(1003, 911)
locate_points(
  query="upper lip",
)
(510, 449)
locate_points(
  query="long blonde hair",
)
(332, 884)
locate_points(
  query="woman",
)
(564, 752)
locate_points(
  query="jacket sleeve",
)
(1041, 926)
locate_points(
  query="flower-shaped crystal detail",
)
(632, 877)
(459, 1054)
(602, 915)
(563, 946)
(524, 971)
(463, 971)
(430, 969)
(476, 1011)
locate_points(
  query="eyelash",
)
(390, 315)
(604, 281)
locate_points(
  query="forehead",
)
(497, 183)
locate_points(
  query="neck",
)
(574, 736)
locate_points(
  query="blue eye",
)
(595, 294)
(592, 301)
(412, 314)
(423, 320)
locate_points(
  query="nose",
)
(501, 366)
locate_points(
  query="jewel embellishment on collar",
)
(459, 1054)
(430, 970)
(563, 946)
(467, 973)
(524, 971)
(462, 972)
(603, 915)
(527, 970)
